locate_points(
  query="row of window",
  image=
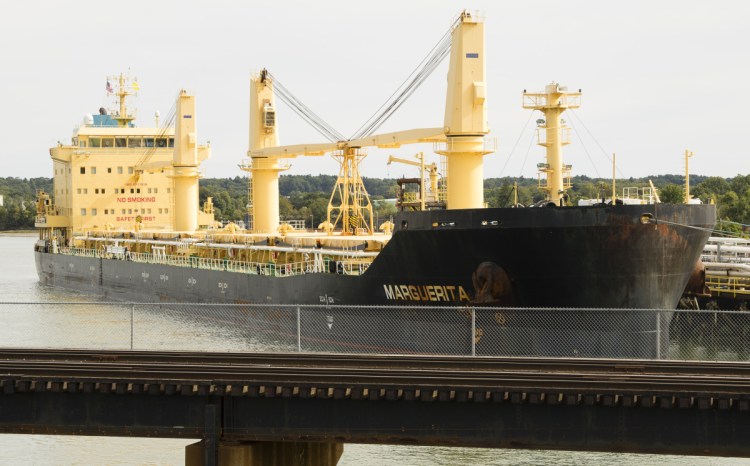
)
(120, 170)
(123, 211)
(121, 190)
(130, 142)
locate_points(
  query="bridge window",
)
(148, 142)
(81, 143)
(135, 141)
(95, 142)
(161, 142)
(121, 142)
(171, 142)
(108, 142)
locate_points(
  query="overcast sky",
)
(658, 77)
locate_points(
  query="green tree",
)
(672, 194)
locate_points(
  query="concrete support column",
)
(268, 454)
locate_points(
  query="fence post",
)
(132, 319)
(658, 334)
(473, 332)
(299, 332)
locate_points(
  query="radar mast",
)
(124, 89)
(553, 133)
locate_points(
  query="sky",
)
(658, 77)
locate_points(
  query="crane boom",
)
(395, 139)
(431, 166)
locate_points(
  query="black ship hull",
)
(603, 257)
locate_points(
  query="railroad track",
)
(378, 372)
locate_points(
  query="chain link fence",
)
(479, 331)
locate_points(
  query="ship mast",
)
(553, 133)
(688, 154)
(123, 118)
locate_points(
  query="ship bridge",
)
(114, 174)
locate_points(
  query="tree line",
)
(19, 201)
(305, 197)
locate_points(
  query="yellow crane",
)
(461, 139)
(433, 169)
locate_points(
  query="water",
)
(18, 283)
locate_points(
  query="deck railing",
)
(343, 266)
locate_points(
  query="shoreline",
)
(18, 233)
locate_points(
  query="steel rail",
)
(474, 363)
(338, 377)
(165, 372)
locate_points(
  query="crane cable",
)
(412, 82)
(305, 112)
(575, 114)
(163, 129)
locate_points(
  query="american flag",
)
(109, 88)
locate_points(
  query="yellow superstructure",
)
(117, 176)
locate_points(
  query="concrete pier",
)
(267, 454)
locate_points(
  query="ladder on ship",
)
(250, 224)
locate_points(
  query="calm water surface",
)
(18, 283)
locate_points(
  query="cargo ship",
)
(124, 222)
